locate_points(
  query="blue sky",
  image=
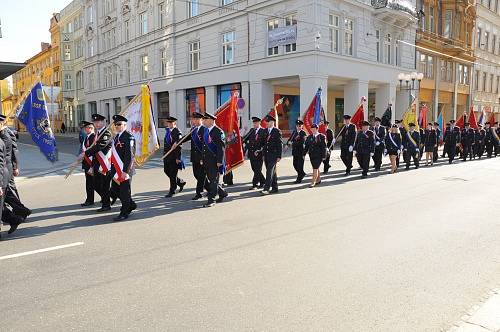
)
(25, 24)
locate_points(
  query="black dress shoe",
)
(221, 198)
(169, 195)
(104, 209)
(133, 206)
(196, 197)
(209, 204)
(181, 186)
(24, 213)
(120, 217)
(87, 204)
(274, 191)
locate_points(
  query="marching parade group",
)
(264, 147)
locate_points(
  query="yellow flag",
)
(411, 116)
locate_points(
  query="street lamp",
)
(410, 87)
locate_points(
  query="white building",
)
(72, 27)
(487, 51)
(194, 52)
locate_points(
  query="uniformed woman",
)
(430, 143)
(316, 146)
(393, 146)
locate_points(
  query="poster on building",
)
(288, 112)
(282, 36)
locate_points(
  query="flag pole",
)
(177, 144)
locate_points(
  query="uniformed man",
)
(348, 133)
(4, 175)
(196, 139)
(402, 131)
(88, 141)
(412, 146)
(365, 147)
(496, 138)
(254, 142)
(213, 158)
(488, 139)
(468, 142)
(439, 138)
(379, 134)
(451, 140)
(99, 152)
(273, 149)
(329, 144)
(480, 141)
(123, 169)
(297, 141)
(173, 162)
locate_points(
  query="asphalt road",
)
(406, 252)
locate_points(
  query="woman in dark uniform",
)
(316, 146)
(430, 143)
(393, 146)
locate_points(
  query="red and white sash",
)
(104, 162)
(117, 163)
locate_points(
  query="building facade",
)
(72, 48)
(445, 56)
(486, 84)
(194, 54)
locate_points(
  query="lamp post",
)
(410, 85)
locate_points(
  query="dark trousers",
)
(468, 152)
(364, 162)
(450, 151)
(258, 179)
(377, 156)
(497, 149)
(326, 162)
(298, 165)
(228, 179)
(12, 198)
(171, 169)
(271, 175)
(200, 176)
(214, 188)
(346, 157)
(489, 150)
(125, 195)
(435, 154)
(412, 155)
(89, 188)
(9, 217)
(480, 150)
(102, 184)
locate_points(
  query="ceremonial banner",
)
(386, 117)
(492, 119)
(410, 116)
(315, 114)
(422, 116)
(359, 116)
(482, 118)
(440, 121)
(34, 116)
(227, 120)
(472, 119)
(461, 121)
(141, 124)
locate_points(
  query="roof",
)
(9, 68)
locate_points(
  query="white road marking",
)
(483, 318)
(41, 250)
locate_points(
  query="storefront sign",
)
(282, 36)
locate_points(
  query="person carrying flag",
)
(402, 131)
(348, 133)
(364, 147)
(488, 139)
(88, 141)
(380, 133)
(316, 147)
(273, 149)
(123, 166)
(173, 162)
(430, 143)
(393, 146)
(99, 153)
(480, 139)
(329, 143)
(213, 158)
(254, 140)
(297, 141)
(435, 156)
(468, 142)
(411, 144)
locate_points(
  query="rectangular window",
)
(479, 37)
(195, 102)
(91, 80)
(224, 92)
(163, 62)
(290, 20)
(388, 49)
(448, 24)
(128, 70)
(494, 44)
(114, 76)
(144, 67)
(431, 19)
(161, 15)
(377, 45)
(67, 52)
(163, 109)
(397, 54)
(271, 25)
(492, 77)
(193, 8)
(476, 81)
(226, 2)
(334, 33)
(90, 14)
(483, 80)
(78, 48)
(194, 55)
(348, 36)
(466, 75)
(498, 84)
(486, 41)
(228, 48)
(67, 82)
(143, 23)
(126, 28)
(426, 65)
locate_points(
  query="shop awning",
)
(9, 68)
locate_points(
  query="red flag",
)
(461, 121)
(422, 116)
(311, 115)
(359, 116)
(274, 114)
(472, 119)
(492, 120)
(227, 120)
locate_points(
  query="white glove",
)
(399, 151)
(371, 154)
(333, 142)
(385, 151)
(377, 143)
(351, 148)
(418, 150)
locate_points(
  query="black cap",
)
(256, 119)
(365, 123)
(394, 126)
(119, 118)
(487, 123)
(2, 117)
(314, 126)
(429, 124)
(170, 119)
(197, 115)
(209, 116)
(397, 121)
(85, 123)
(452, 121)
(299, 122)
(496, 122)
(270, 118)
(326, 122)
(347, 117)
(411, 124)
(98, 117)
(436, 123)
(448, 124)
(377, 119)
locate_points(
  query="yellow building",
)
(445, 56)
(44, 66)
(7, 110)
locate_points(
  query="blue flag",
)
(35, 118)
(317, 108)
